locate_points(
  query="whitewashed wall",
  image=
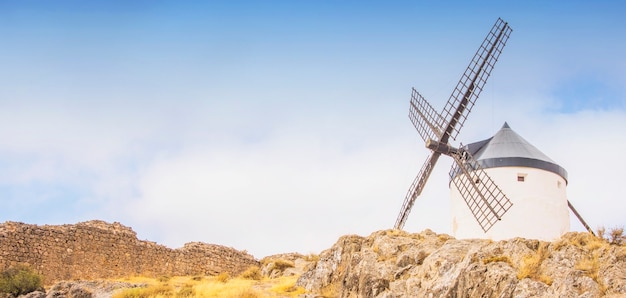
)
(539, 208)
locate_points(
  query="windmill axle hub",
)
(442, 148)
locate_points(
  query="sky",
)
(280, 126)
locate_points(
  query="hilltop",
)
(394, 263)
(388, 263)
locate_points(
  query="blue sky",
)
(279, 126)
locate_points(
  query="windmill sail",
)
(484, 198)
(436, 128)
(416, 189)
(473, 80)
(426, 120)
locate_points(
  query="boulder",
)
(394, 263)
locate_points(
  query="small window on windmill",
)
(476, 180)
(558, 183)
(521, 177)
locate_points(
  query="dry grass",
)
(617, 236)
(590, 266)
(614, 236)
(253, 272)
(600, 231)
(602, 241)
(186, 291)
(312, 257)
(375, 248)
(330, 291)
(583, 241)
(395, 233)
(287, 286)
(223, 277)
(280, 265)
(210, 287)
(587, 241)
(493, 259)
(444, 237)
(161, 290)
(530, 266)
(233, 288)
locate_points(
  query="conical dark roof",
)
(508, 149)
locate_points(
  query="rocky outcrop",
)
(287, 264)
(397, 264)
(96, 249)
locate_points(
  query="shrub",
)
(223, 277)
(613, 236)
(19, 280)
(253, 272)
(600, 231)
(280, 265)
(617, 236)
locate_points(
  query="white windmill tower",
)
(478, 201)
(532, 181)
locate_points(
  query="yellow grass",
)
(223, 277)
(493, 259)
(530, 266)
(209, 287)
(287, 286)
(140, 279)
(253, 272)
(312, 257)
(331, 290)
(276, 264)
(590, 266)
(233, 288)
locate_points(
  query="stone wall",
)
(96, 249)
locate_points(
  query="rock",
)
(394, 263)
(288, 264)
(85, 289)
(70, 290)
(35, 294)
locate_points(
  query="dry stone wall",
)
(96, 249)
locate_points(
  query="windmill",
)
(486, 201)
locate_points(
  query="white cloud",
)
(297, 181)
(300, 191)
